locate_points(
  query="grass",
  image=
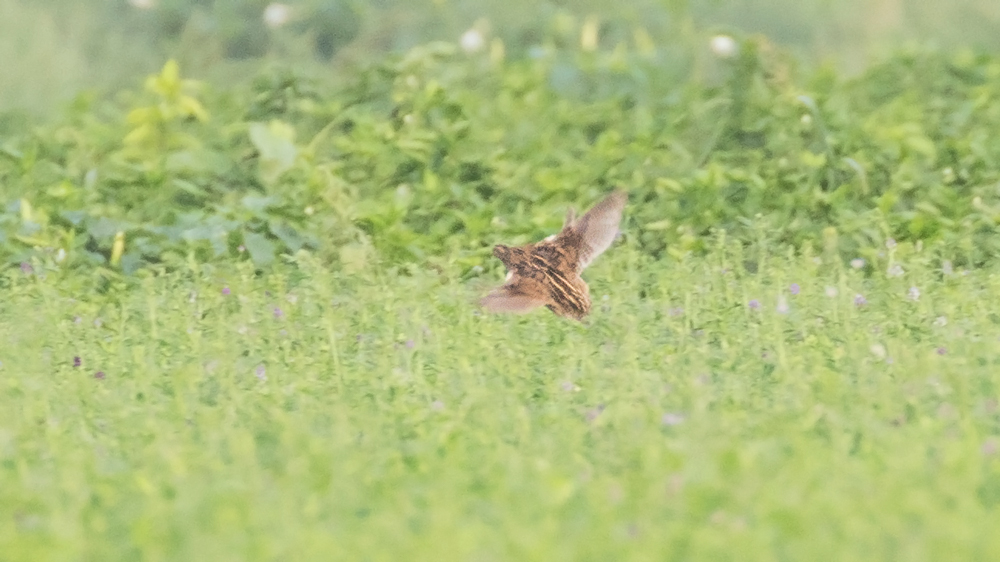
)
(310, 415)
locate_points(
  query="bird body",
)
(547, 273)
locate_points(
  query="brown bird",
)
(548, 272)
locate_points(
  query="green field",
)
(308, 415)
(241, 265)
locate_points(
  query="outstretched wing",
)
(520, 295)
(597, 229)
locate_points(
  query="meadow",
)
(806, 410)
(240, 317)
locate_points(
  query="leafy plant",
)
(432, 156)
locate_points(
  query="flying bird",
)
(548, 272)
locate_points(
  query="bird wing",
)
(597, 229)
(519, 295)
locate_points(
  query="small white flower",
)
(895, 270)
(878, 350)
(913, 293)
(947, 268)
(277, 14)
(783, 307)
(858, 263)
(890, 243)
(723, 46)
(60, 255)
(941, 321)
(568, 386)
(831, 291)
(671, 418)
(472, 41)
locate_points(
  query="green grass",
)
(396, 423)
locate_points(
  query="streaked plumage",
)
(548, 272)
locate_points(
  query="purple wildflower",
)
(437, 405)
(225, 290)
(99, 375)
(754, 304)
(26, 268)
(990, 405)
(946, 411)
(990, 446)
(941, 350)
(261, 372)
(278, 313)
(676, 311)
(594, 412)
(860, 300)
(77, 361)
(410, 344)
(794, 288)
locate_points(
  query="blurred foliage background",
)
(155, 132)
(55, 48)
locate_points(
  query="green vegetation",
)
(430, 157)
(311, 415)
(239, 317)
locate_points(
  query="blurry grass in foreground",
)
(805, 411)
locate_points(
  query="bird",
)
(548, 272)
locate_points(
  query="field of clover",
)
(241, 324)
